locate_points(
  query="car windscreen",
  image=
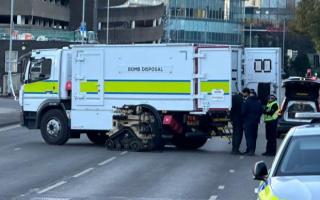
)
(301, 158)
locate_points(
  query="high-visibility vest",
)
(272, 117)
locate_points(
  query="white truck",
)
(136, 97)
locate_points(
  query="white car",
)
(295, 172)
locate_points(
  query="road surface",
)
(31, 169)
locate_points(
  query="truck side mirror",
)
(260, 171)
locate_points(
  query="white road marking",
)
(17, 149)
(231, 171)
(213, 197)
(50, 198)
(107, 161)
(123, 153)
(52, 187)
(221, 187)
(83, 172)
(241, 157)
(7, 128)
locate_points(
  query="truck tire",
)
(191, 143)
(54, 127)
(97, 138)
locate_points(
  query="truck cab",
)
(44, 88)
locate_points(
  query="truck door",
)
(87, 77)
(215, 78)
(262, 71)
(236, 69)
(41, 80)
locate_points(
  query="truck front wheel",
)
(97, 138)
(54, 127)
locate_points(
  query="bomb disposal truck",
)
(136, 97)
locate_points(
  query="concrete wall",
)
(129, 36)
(37, 8)
(130, 17)
(120, 14)
(132, 13)
(76, 12)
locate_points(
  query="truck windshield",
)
(40, 69)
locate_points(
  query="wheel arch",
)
(155, 112)
(49, 105)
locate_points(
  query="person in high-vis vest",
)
(271, 120)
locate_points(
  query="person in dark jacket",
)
(251, 113)
(237, 123)
(245, 93)
(236, 119)
(271, 121)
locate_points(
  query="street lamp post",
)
(108, 15)
(250, 34)
(10, 85)
(83, 23)
(283, 41)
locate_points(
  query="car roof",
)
(306, 130)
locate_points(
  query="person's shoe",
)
(245, 152)
(250, 153)
(236, 152)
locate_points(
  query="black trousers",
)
(251, 134)
(271, 136)
(237, 128)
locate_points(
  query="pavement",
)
(33, 170)
(9, 112)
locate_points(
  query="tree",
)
(300, 65)
(307, 20)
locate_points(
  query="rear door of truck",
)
(262, 71)
(215, 78)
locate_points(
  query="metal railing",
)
(45, 35)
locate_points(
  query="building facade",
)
(55, 23)
(40, 20)
(267, 20)
(42, 13)
(132, 21)
(36, 23)
(204, 21)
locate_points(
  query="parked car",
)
(295, 172)
(301, 95)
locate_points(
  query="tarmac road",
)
(31, 169)
(9, 112)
